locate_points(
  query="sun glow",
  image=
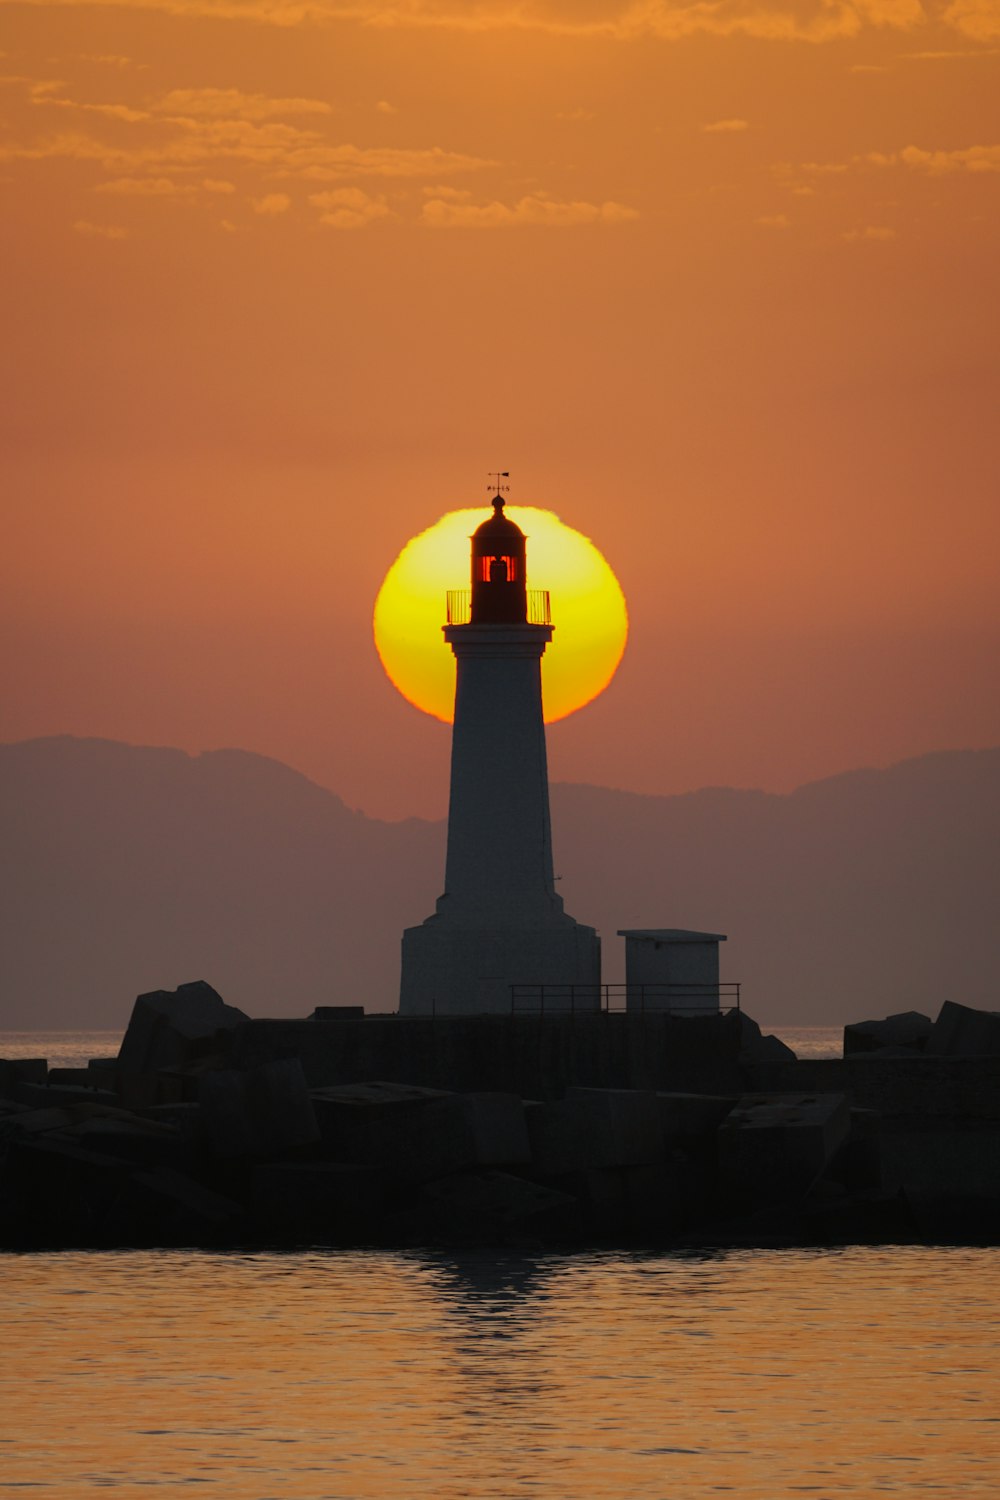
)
(588, 611)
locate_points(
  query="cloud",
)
(622, 20)
(107, 59)
(774, 221)
(101, 231)
(955, 52)
(447, 213)
(575, 116)
(870, 232)
(233, 104)
(216, 185)
(726, 127)
(329, 163)
(385, 108)
(271, 203)
(972, 160)
(141, 187)
(458, 195)
(939, 163)
(349, 208)
(45, 93)
(285, 150)
(978, 19)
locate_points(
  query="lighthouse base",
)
(467, 971)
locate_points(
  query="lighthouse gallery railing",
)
(458, 607)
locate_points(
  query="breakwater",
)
(212, 1128)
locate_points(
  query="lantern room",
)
(499, 594)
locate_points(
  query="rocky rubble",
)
(177, 1142)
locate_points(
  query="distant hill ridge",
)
(125, 868)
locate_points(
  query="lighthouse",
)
(499, 937)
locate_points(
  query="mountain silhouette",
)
(126, 868)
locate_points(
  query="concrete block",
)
(72, 1078)
(168, 1028)
(263, 1110)
(141, 1142)
(185, 1118)
(621, 1127)
(97, 1128)
(370, 1123)
(961, 1031)
(666, 1197)
(41, 1095)
(166, 1206)
(422, 1133)
(317, 1198)
(495, 1124)
(688, 1118)
(604, 1194)
(558, 1141)
(22, 1070)
(64, 1193)
(755, 1047)
(953, 1218)
(26, 1120)
(936, 1157)
(773, 1147)
(488, 1206)
(857, 1165)
(908, 1030)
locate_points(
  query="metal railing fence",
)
(584, 999)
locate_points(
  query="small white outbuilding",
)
(671, 968)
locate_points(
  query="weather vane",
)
(498, 488)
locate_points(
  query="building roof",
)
(671, 935)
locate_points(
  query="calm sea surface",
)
(330, 1376)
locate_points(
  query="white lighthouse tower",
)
(499, 923)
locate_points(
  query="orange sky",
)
(718, 283)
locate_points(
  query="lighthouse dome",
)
(499, 529)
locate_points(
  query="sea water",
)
(763, 1375)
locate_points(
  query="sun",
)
(588, 611)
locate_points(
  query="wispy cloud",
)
(940, 163)
(726, 127)
(453, 213)
(233, 104)
(774, 221)
(667, 20)
(282, 149)
(101, 231)
(107, 59)
(955, 54)
(870, 232)
(141, 187)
